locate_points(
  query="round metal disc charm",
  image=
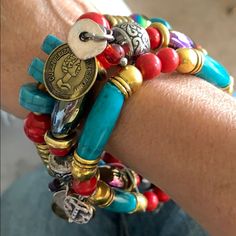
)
(87, 48)
(58, 204)
(77, 211)
(66, 77)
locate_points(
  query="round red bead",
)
(59, 152)
(169, 60)
(152, 200)
(97, 17)
(154, 36)
(149, 65)
(35, 126)
(86, 187)
(162, 196)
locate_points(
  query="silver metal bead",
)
(123, 61)
(134, 36)
(60, 167)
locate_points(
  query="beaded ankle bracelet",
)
(85, 176)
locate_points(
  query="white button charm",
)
(87, 39)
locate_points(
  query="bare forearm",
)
(181, 134)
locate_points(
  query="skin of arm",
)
(177, 131)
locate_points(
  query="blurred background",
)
(211, 23)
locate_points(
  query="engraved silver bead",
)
(133, 36)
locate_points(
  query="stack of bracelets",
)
(131, 49)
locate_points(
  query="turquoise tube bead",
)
(162, 21)
(100, 122)
(213, 72)
(36, 69)
(124, 202)
(35, 100)
(50, 43)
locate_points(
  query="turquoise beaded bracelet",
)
(138, 48)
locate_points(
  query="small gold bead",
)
(103, 196)
(43, 151)
(111, 19)
(165, 33)
(119, 19)
(203, 50)
(129, 19)
(60, 143)
(191, 60)
(82, 169)
(141, 203)
(132, 76)
(85, 163)
(131, 79)
(124, 19)
(230, 88)
(82, 173)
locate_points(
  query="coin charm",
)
(77, 211)
(58, 204)
(66, 77)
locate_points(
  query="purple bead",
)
(55, 185)
(180, 40)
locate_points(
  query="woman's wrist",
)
(180, 133)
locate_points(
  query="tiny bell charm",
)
(133, 38)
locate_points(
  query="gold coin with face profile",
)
(66, 77)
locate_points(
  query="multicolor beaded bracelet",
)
(138, 48)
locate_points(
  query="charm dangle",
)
(85, 36)
(87, 39)
(77, 210)
(58, 204)
(60, 167)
